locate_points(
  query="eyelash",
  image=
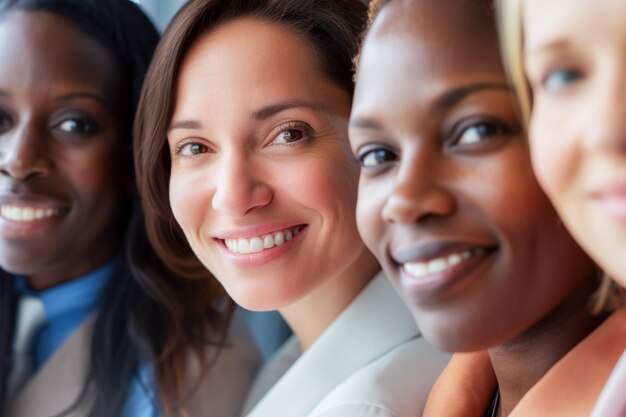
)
(305, 129)
(6, 121)
(183, 143)
(495, 128)
(573, 76)
(87, 124)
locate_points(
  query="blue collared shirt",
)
(66, 306)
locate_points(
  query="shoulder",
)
(222, 390)
(395, 384)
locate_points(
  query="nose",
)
(605, 129)
(419, 194)
(241, 187)
(23, 155)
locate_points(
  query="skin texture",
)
(267, 150)
(59, 148)
(577, 72)
(446, 169)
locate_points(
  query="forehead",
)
(584, 21)
(40, 50)
(265, 59)
(419, 48)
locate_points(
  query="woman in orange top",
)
(449, 205)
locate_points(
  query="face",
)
(263, 182)
(60, 146)
(447, 200)
(577, 71)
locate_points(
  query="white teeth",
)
(26, 214)
(243, 245)
(421, 269)
(268, 242)
(279, 238)
(256, 245)
(260, 243)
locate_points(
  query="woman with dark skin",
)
(449, 204)
(72, 240)
(242, 128)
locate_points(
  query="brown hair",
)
(332, 28)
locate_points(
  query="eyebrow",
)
(452, 97)
(261, 114)
(84, 95)
(364, 123)
(447, 100)
(546, 47)
(185, 124)
(273, 109)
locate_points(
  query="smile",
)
(441, 264)
(261, 243)
(24, 214)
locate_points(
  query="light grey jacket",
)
(371, 362)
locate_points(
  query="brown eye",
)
(288, 136)
(373, 158)
(77, 126)
(479, 132)
(5, 122)
(291, 133)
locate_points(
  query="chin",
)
(452, 337)
(259, 298)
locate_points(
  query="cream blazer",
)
(220, 394)
(371, 362)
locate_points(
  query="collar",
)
(80, 294)
(569, 389)
(361, 334)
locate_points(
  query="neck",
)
(310, 316)
(520, 364)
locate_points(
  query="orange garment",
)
(569, 389)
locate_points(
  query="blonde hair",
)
(509, 21)
(610, 295)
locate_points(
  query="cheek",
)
(96, 179)
(326, 183)
(188, 200)
(369, 219)
(552, 153)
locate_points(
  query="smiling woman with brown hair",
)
(242, 129)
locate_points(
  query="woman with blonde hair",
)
(566, 61)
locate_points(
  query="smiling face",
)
(447, 199)
(263, 183)
(577, 70)
(60, 145)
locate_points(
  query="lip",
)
(612, 200)
(248, 232)
(435, 285)
(259, 258)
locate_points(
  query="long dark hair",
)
(331, 27)
(149, 314)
